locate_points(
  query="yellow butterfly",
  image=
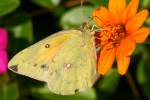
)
(66, 61)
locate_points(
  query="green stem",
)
(133, 86)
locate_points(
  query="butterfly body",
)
(65, 60)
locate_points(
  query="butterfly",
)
(66, 61)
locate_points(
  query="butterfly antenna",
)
(83, 14)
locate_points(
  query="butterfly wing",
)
(74, 66)
(34, 61)
(66, 61)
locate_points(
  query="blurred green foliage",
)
(74, 17)
(28, 21)
(8, 6)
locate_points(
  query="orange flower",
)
(120, 30)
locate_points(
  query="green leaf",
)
(20, 31)
(74, 17)
(9, 92)
(7, 6)
(137, 50)
(108, 83)
(23, 30)
(99, 3)
(45, 94)
(147, 43)
(145, 3)
(147, 22)
(4, 79)
(143, 73)
(47, 3)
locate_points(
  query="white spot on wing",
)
(67, 65)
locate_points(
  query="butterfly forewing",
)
(34, 60)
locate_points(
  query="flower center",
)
(112, 34)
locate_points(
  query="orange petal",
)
(129, 45)
(122, 60)
(130, 11)
(101, 16)
(141, 35)
(107, 56)
(116, 7)
(137, 21)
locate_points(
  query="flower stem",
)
(133, 86)
(39, 12)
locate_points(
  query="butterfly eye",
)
(47, 46)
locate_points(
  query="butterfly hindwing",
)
(73, 67)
